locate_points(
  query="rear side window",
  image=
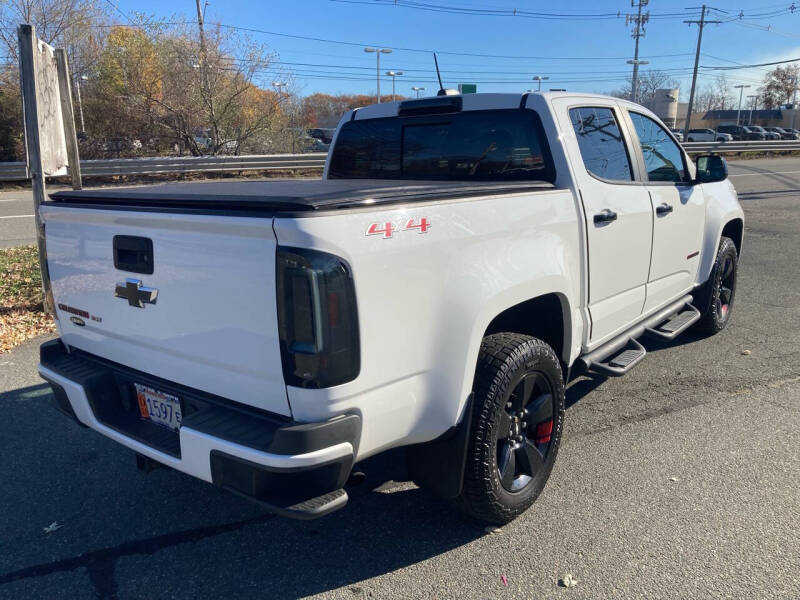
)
(600, 141)
(495, 145)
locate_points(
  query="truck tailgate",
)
(213, 325)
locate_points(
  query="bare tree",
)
(779, 86)
(75, 25)
(715, 96)
(202, 95)
(647, 84)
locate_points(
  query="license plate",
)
(158, 407)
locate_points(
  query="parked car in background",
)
(768, 135)
(786, 134)
(323, 134)
(678, 133)
(740, 132)
(708, 135)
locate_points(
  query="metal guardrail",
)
(11, 171)
(15, 171)
(783, 145)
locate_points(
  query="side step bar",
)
(677, 324)
(621, 363)
(618, 356)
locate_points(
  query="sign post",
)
(50, 142)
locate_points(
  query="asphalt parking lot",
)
(679, 480)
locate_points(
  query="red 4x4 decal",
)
(388, 229)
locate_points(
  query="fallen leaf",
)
(54, 526)
(504, 579)
(673, 479)
(746, 352)
(568, 581)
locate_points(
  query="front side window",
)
(663, 158)
(495, 145)
(600, 141)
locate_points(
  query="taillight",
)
(317, 318)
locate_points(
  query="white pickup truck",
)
(461, 258)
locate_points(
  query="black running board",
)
(627, 354)
(676, 324)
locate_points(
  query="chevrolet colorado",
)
(460, 259)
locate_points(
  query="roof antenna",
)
(442, 91)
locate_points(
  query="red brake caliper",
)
(543, 432)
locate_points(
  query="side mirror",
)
(711, 168)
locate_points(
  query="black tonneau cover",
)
(273, 196)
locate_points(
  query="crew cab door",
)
(617, 210)
(678, 212)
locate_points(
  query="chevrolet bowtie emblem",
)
(135, 293)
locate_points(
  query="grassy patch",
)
(21, 311)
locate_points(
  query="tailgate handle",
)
(133, 253)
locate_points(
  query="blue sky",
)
(577, 53)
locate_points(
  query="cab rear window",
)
(493, 145)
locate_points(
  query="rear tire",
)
(718, 293)
(518, 416)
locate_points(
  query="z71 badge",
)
(389, 228)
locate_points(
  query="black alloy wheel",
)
(525, 429)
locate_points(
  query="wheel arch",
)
(546, 317)
(734, 229)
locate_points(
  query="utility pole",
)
(81, 79)
(741, 89)
(638, 20)
(794, 98)
(282, 84)
(200, 27)
(701, 23)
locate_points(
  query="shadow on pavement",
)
(216, 545)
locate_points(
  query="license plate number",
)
(158, 407)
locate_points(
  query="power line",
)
(502, 12)
(766, 64)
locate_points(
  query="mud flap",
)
(438, 465)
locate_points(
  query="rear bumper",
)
(277, 462)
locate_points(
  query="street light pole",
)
(752, 98)
(378, 52)
(417, 90)
(393, 74)
(741, 88)
(278, 85)
(540, 78)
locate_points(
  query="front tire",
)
(518, 416)
(719, 291)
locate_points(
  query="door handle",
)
(663, 209)
(605, 216)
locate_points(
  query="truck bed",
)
(281, 196)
